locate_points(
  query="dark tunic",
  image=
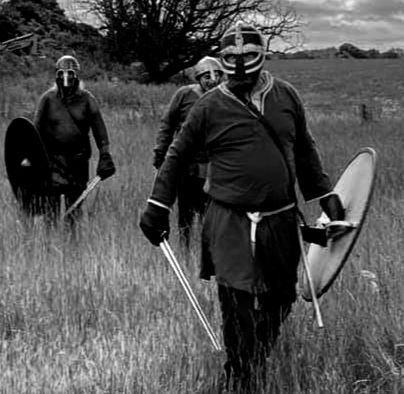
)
(247, 172)
(64, 125)
(178, 108)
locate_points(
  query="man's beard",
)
(242, 87)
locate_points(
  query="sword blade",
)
(309, 279)
(165, 247)
(94, 182)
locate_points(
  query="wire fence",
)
(376, 109)
(363, 109)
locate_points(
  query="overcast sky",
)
(365, 23)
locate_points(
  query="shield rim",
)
(358, 230)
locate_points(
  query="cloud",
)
(379, 9)
(368, 23)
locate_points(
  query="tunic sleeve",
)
(184, 147)
(313, 181)
(169, 123)
(98, 125)
(40, 112)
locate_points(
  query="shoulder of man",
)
(206, 102)
(287, 86)
(51, 92)
(179, 95)
(186, 89)
(88, 96)
(85, 93)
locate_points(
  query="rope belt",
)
(256, 217)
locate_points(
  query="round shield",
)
(354, 187)
(26, 163)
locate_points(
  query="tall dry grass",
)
(102, 312)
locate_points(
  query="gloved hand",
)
(155, 223)
(105, 167)
(333, 207)
(158, 159)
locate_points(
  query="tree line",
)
(344, 51)
(162, 36)
(165, 36)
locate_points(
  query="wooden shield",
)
(354, 187)
(26, 163)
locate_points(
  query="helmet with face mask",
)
(207, 64)
(208, 72)
(67, 68)
(236, 43)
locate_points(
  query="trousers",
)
(250, 326)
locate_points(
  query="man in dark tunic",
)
(190, 195)
(249, 240)
(64, 116)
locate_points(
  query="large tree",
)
(20, 17)
(48, 20)
(170, 35)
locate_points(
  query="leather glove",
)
(155, 223)
(105, 167)
(333, 207)
(314, 235)
(158, 159)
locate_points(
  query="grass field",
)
(103, 313)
